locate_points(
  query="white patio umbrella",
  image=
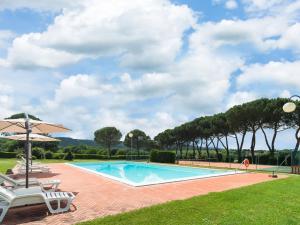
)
(36, 126)
(27, 126)
(32, 138)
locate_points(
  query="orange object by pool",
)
(246, 163)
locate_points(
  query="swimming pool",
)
(140, 173)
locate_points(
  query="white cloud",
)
(258, 32)
(284, 74)
(178, 86)
(270, 80)
(44, 5)
(285, 94)
(5, 37)
(100, 107)
(231, 4)
(262, 4)
(265, 6)
(80, 85)
(6, 100)
(39, 56)
(290, 38)
(143, 33)
(240, 97)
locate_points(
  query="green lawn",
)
(10, 163)
(6, 164)
(276, 202)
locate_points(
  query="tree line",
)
(111, 136)
(213, 132)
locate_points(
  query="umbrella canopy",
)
(28, 126)
(32, 138)
(37, 127)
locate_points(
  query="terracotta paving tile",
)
(98, 196)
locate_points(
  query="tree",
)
(220, 128)
(293, 120)
(275, 119)
(254, 111)
(139, 140)
(165, 139)
(22, 115)
(108, 137)
(238, 126)
(204, 124)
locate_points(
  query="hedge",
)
(88, 156)
(49, 155)
(104, 157)
(8, 155)
(162, 156)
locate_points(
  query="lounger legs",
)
(59, 209)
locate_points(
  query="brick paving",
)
(224, 165)
(97, 196)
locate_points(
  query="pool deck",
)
(224, 165)
(97, 196)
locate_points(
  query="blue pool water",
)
(140, 174)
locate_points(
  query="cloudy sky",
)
(149, 64)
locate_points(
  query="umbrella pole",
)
(27, 148)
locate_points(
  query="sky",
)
(148, 65)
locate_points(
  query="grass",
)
(275, 202)
(6, 164)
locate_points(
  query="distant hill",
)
(65, 141)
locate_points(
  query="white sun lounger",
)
(48, 185)
(32, 168)
(33, 163)
(31, 196)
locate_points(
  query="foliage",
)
(48, 155)
(162, 156)
(8, 155)
(66, 141)
(121, 152)
(69, 156)
(58, 155)
(22, 115)
(38, 152)
(213, 132)
(89, 156)
(108, 137)
(139, 140)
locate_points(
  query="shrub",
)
(8, 155)
(121, 152)
(58, 155)
(38, 152)
(91, 151)
(102, 152)
(113, 151)
(69, 156)
(49, 155)
(89, 156)
(118, 157)
(162, 156)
